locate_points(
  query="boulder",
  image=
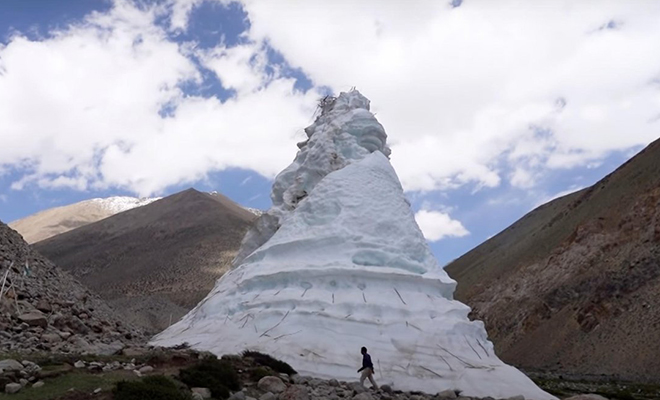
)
(34, 318)
(447, 394)
(38, 384)
(10, 365)
(51, 337)
(363, 396)
(44, 306)
(386, 388)
(11, 388)
(238, 396)
(134, 351)
(268, 396)
(79, 364)
(146, 369)
(204, 393)
(333, 382)
(107, 349)
(587, 397)
(271, 384)
(295, 392)
(357, 387)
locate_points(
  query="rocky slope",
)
(574, 286)
(51, 222)
(42, 308)
(154, 263)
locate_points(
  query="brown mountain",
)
(53, 221)
(156, 262)
(574, 285)
(43, 308)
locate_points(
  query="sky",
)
(491, 107)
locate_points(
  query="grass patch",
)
(217, 375)
(270, 362)
(79, 380)
(155, 387)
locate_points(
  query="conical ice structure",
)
(339, 263)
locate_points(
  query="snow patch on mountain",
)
(117, 204)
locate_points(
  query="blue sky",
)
(490, 111)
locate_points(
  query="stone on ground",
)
(268, 396)
(13, 388)
(271, 384)
(10, 365)
(447, 394)
(204, 393)
(295, 392)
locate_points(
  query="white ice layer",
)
(347, 266)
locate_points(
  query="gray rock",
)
(363, 396)
(333, 382)
(268, 396)
(271, 384)
(34, 318)
(23, 382)
(196, 396)
(38, 384)
(237, 396)
(51, 337)
(107, 349)
(519, 397)
(146, 369)
(12, 388)
(134, 351)
(386, 388)
(357, 387)
(79, 364)
(44, 306)
(447, 394)
(295, 392)
(204, 393)
(10, 365)
(587, 397)
(97, 390)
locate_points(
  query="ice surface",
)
(342, 264)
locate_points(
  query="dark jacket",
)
(366, 362)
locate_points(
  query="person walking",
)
(367, 369)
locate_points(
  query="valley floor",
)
(70, 377)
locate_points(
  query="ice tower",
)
(338, 263)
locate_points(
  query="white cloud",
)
(436, 225)
(457, 88)
(485, 92)
(82, 108)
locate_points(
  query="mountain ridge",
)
(157, 261)
(574, 284)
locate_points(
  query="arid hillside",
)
(53, 221)
(154, 263)
(43, 309)
(574, 286)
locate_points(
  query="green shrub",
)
(259, 372)
(217, 375)
(268, 361)
(149, 388)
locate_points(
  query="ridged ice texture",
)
(345, 132)
(349, 267)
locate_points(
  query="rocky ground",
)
(61, 377)
(42, 308)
